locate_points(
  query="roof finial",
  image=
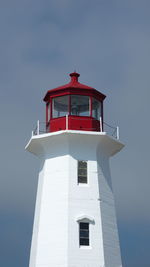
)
(74, 76)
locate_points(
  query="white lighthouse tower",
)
(75, 221)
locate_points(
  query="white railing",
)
(111, 130)
(104, 127)
(40, 128)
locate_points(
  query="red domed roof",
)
(73, 84)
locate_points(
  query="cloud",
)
(39, 50)
(108, 43)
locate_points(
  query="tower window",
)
(84, 234)
(82, 172)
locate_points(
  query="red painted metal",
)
(84, 123)
(74, 123)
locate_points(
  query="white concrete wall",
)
(50, 244)
(61, 202)
(107, 206)
(84, 201)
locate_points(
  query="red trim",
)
(72, 84)
(74, 122)
(102, 117)
(47, 112)
(73, 91)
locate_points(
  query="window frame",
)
(100, 109)
(48, 111)
(78, 178)
(85, 218)
(83, 237)
(89, 105)
(53, 105)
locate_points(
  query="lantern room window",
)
(96, 109)
(75, 105)
(60, 106)
(48, 112)
(80, 105)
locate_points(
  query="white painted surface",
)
(61, 202)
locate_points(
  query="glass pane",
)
(84, 225)
(80, 105)
(60, 106)
(82, 172)
(82, 180)
(96, 109)
(84, 242)
(82, 164)
(84, 234)
(48, 111)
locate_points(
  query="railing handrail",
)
(114, 133)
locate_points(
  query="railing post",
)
(118, 132)
(101, 124)
(67, 122)
(38, 127)
(31, 133)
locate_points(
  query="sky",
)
(108, 43)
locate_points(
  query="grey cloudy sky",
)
(108, 43)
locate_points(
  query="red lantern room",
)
(74, 106)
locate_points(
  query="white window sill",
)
(85, 247)
(83, 185)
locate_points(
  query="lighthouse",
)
(75, 221)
